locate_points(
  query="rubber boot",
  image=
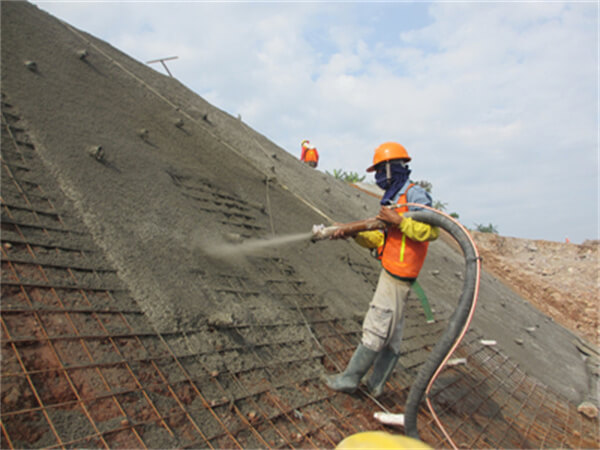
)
(382, 370)
(349, 379)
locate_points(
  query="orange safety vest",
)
(311, 155)
(401, 256)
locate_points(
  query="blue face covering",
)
(399, 177)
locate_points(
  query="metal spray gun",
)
(320, 232)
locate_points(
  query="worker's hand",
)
(389, 216)
(339, 233)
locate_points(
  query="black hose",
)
(458, 320)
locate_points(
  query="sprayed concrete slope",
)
(179, 178)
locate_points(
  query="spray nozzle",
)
(320, 232)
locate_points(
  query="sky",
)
(496, 102)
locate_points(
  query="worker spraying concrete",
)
(400, 235)
(401, 245)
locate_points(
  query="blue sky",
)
(497, 102)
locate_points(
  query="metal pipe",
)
(349, 229)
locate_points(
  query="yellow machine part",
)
(380, 440)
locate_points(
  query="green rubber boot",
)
(382, 370)
(349, 379)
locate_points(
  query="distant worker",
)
(402, 248)
(309, 154)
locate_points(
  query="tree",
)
(348, 177)
(337, 173)
(490, 228)
(440, 205)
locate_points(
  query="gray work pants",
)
(384, 321)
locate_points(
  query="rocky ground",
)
(560, 279)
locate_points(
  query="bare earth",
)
(560, 279)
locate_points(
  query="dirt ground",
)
(560, 279)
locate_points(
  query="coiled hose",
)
(458, 323)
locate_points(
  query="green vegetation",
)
(490, 228)
(441, 206)
(348, 177)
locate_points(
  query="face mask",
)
(391, 185)
(381, 179)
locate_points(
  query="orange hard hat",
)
(388, 151)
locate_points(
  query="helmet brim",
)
(372, 168)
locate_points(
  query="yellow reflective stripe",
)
(402, 247)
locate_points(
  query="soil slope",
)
(560, 279)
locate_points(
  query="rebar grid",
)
(491, 403)
(38, 315)
(39, 321)
(269, 348)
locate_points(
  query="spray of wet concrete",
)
(237, 246)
